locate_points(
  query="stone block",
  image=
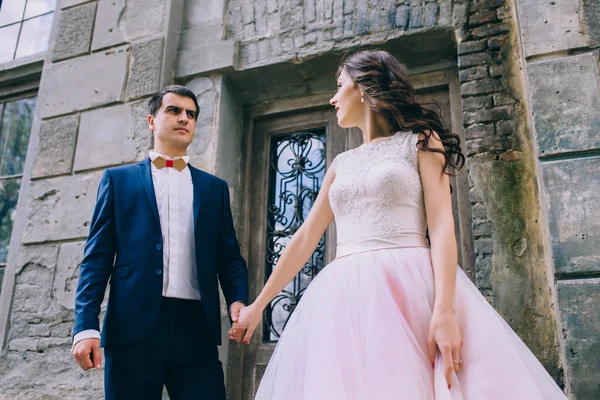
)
(33, 281)
(502, 99)
(200, 36)
(473, 59)
(474, 73)
(483, 271)
(71, 3)
(591, 16)
(431, 14)
(496, 71)
(480, 87)
(112, 136)
(571, 190)
(416, 16)
(496, 43)
(476, 103)
(483, 228)
(202, 148)
(484, 246)
(108, 70)
(483, 17)
(121, 21)
(578, 301)
(487, 115)
(207, 58)
(505, 128)
(566, 100)
(70, 256)
(74, 35)
(107, 32)
(471, 47)
(200, 13)
(445, 16)
(479, 131)
(402, 15)
(490, 30)
(272, 6)
(56, 147)
(60, 208)
(146, 66)
(479, 211)
(547, 27)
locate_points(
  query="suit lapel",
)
(146, 176)
(199, 191)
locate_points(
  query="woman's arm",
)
(301, 246)
(293, 258)
(440, 222)
(444, 333)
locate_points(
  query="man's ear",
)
(151, 122)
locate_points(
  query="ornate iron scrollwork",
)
(297, 169)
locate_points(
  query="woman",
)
(390, 317)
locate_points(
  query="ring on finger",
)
(458, 361)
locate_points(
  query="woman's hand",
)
(444, 334)
(248, 320)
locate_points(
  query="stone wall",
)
(107, 57)
(104, 61)
(561, 41)
(269, 30)
(511, 258)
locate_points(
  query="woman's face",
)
(349, 109)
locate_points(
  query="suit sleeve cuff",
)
(87, 334)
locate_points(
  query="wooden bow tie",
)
(179, 164)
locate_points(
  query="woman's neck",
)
(376, 128)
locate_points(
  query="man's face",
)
(175, 121)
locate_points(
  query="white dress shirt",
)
(174, 197)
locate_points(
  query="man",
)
(163, 233)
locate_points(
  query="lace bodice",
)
(377, 191)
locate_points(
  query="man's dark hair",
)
(156, 100)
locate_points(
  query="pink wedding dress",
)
(361, 329)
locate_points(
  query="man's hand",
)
(236, 333)
(87, 353)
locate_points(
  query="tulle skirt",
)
(361, 330)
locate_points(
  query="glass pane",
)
(8, 41)
(14, 135)
(38, 7)
(11, 11)
(295, 176)
(1, 276)
(34, 36)
(9, 194)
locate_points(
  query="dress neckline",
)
(377, 144)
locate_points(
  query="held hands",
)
(87, 353)
(247, 322)
(445, 335)
(236, 333)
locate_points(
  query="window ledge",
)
(22, 74)
(34, 61)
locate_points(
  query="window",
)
(15, 127)
(296, 172)
(24, 27)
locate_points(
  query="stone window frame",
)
(19, 79)
(21, 22)
(5, 177)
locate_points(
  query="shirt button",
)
(158, 272)
(159, 247)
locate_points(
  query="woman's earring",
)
(362, 99)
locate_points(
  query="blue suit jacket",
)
(125, 246)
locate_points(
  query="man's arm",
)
(231, 266)
(99, 255)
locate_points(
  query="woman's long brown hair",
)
(385, 86)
